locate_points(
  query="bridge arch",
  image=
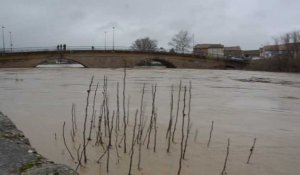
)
(61, 60)
(166, 63)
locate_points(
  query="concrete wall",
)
(17, 157)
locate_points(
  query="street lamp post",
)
(11, 43)
(193, 40)
(113, 38)
(3, 39)
(105, 41)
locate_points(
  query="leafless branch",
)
(85, 119)
(226, 159)
(210, 133)
(251, 150)
(65, 142)
(177, 112)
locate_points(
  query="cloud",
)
(249, 23)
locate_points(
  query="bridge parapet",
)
(109, 59)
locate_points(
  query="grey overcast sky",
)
(248, 23)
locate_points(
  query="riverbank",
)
(17, 157)
(277, 64)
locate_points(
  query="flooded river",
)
(243, 105)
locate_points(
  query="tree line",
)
(290, 43)
(180, 42)
(286, 55)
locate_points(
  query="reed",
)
(132, 143)
(74, 125)
(128, 111)
(141, 113)
(251, 151)
(141, 128)
(226, 159)
(196, 135)
(168, 135)
(118, 109)
(99, 131)
(93, 112)
(182, 133)
(85, 119)
(177, 112)
(152, 114)
(155, 131)
(210, 133)
(188, 128)
(109, 145)
(65, 142)
(124, 110)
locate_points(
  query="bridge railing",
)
(109, 49)
(27, 49)
(67, 48)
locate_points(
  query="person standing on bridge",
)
(65, 47)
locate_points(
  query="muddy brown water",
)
(243, 105)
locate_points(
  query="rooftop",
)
(207, 46)
(232, 48)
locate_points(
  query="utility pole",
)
(193, 40)
(113, 38)
(105, 41)
(11, 43)
(3, 39)
(193, 43)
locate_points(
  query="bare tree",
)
(181, 41)
(144, 44)
(291, 42)
(295, 38)
(276, 45)
(285, 39)
(286, 57)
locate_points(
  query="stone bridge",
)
(113, 59)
